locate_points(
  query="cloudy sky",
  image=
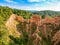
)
(32, 4)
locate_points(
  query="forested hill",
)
(47, 12)
(5, 12)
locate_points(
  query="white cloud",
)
(35, 0)
(48, 6)
(11, 1)
(54, 5)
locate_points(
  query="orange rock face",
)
(36, 25)
(35, 18)
(20, 19)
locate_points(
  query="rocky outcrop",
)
(11, 25)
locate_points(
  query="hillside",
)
(8, 24)
(5, 12)
(20, 27)
(47, 12)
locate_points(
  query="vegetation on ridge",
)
(29, 28)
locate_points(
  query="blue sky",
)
(32, 4)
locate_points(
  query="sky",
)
(32, 4)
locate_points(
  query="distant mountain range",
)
(46, 12)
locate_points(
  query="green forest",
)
(26, 33)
